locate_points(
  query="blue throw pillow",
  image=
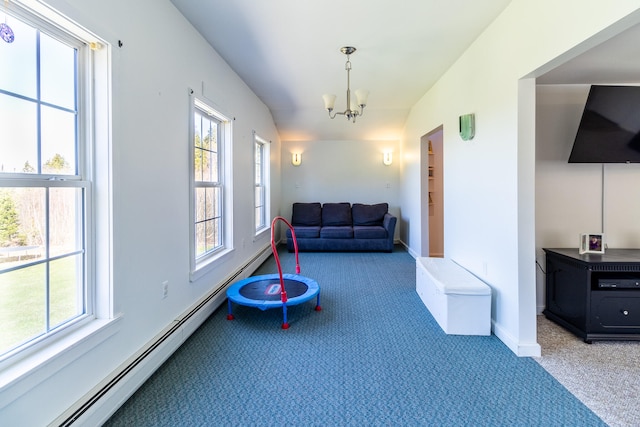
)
(369, 214)
(308, 214)
(336, 214)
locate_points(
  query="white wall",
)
(340, 171)
(569, 197)
(489, 181)
(161, 57)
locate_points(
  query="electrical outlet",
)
(165, 289)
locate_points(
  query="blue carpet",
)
(373, 356)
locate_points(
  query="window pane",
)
(258, 173)
(259, 196)
(200, 239)
(66, 294)
(215, 167)
(207, 203)
(258, 165)
(200, 204)
(198, 130)
(213, 233)
(206, 166)
(19, 140)
(217, 202)
(208, 236)
(22, 226)
(212, 136)
(18, 69)
(65, 220)
(210, 203)
(22, 306)
(57, 72)
(58, 141)
(197, 164)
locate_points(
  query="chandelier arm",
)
(334, 114)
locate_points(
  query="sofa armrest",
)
(389, 224)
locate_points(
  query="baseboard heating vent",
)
(102, 391)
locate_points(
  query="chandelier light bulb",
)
(329, 101)
(362, 96)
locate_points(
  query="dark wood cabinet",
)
(595, 296)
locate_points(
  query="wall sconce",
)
(296, 159)
(387, 158)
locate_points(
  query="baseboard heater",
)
(159, 341)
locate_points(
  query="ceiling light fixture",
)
(354, 109)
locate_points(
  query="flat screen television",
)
(609, 130)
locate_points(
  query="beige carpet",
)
(604, 375)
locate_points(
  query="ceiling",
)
(288, 53)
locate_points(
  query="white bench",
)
(458, 300)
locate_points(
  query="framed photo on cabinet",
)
(591, 243)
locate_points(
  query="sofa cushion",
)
(369, 214)
(303, 231)
(306, 214)
(369, 232)
(336, 232)
(336, 214)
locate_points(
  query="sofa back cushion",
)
(306, 214)
(336, 214)
(369, 214)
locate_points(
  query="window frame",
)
(199, 265)
(264, 171)
(92, 135)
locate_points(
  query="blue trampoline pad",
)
(264, 291)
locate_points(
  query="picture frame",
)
(591, 243)
(467, 126)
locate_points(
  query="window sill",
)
(27, 373)
(262, 233)
(208, 265)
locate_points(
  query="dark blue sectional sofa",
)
(342, 227)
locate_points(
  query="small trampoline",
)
(275, 290)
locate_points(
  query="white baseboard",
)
(97, 406)
(520, 349)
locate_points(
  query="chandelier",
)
(355, 108)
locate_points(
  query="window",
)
(210, 207)
(45, 179)
(261, 175)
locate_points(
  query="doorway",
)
(432, 193)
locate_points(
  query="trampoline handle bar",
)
(283, 291)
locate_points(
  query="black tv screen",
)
(609, 130)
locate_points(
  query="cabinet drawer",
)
(615, 311)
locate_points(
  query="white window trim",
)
(200, 267)
(267, 184)
(25, 369)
